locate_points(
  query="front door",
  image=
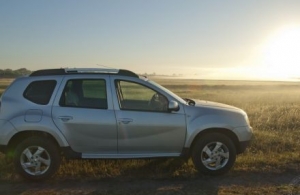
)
(145, 126)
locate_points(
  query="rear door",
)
(83, 112)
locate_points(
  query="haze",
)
(249, 40)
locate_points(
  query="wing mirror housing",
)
(173, 106)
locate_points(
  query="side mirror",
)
(173, 106)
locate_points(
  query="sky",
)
(221, 39)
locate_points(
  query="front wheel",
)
(213, 154)
(36, 158)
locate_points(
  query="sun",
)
(282, 54)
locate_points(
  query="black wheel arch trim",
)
(69, 153)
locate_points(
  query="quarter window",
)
(85, 93)
(40, 92)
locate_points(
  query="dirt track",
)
(232, 183)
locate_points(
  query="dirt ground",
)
(232, 183)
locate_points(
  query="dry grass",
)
(274, 112)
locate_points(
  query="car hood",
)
(203, 103)
(217, 112)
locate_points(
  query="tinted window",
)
(134, 96)
(40, 92)
(85, 93)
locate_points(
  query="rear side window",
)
(85, 93)
(40, 92)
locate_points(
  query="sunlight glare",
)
(282, 54)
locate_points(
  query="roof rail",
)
(91, 70)
(66, 71)
(46, 72)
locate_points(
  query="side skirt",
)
(71, 154)
(128, 156)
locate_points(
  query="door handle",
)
(125, 120)
(65, 118)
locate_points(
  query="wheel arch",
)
(18, 137)
(231, 135)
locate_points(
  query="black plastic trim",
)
(46, 72)
(69, 153)
(3, 149)
(242, 147)
(123, 72)
(49, 72)
(185, 153)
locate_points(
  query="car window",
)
(85, 93)
(134, 96)
(40, 92)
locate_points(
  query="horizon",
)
(172, 76)
(230, 40)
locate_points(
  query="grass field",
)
(268, 166)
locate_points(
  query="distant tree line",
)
(9, 73)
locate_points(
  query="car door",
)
(84, 113)
(145, 126)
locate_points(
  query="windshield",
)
(168, 91)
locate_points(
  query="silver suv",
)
(113, 114)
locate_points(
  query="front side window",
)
(84, 93)
(40, 92)
(134, 96)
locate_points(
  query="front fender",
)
(202, 123)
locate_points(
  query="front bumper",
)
(242, 146)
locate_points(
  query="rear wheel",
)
(36, 158)
(214, 154)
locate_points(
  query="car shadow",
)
(155, 176)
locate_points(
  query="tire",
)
(36, 158)
(213, 154)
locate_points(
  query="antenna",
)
(106, 66)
